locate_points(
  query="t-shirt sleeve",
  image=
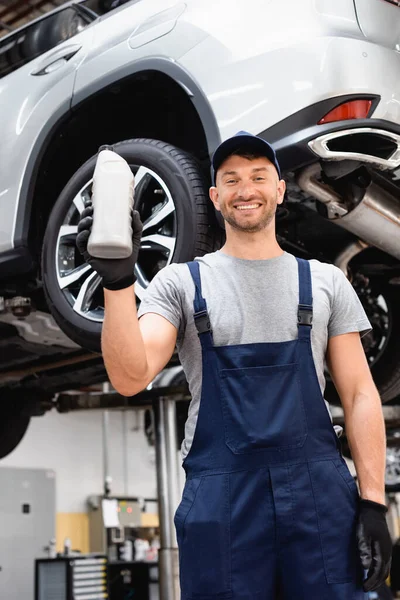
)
(163, 298)
(347, 312)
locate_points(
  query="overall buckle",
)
(305, 315)
(202, 321)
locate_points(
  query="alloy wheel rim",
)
(79, 283)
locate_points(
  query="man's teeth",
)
(247, 206)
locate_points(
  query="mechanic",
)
(269, 507)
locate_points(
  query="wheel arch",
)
(108, 113)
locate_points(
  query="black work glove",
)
(116, 273)
(374, 543)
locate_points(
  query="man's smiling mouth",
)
(248, 206)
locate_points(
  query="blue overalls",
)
(269, 506)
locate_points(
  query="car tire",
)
(197, 232)
(385, 370)
(13, 426)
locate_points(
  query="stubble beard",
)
(265, 220)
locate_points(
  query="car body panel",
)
(380, 21)
(156, 26)
(139, 37)
(255, 99)
(28, 104)
(279, 74)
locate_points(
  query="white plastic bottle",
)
(112, 200)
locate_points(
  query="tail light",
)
(354, 109)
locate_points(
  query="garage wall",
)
(71, 445)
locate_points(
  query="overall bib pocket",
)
(336, 506)
(262, 408)
(204, 540)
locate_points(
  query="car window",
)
(33, 40)
(102, 7)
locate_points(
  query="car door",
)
(37, 71)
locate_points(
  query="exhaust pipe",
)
(375, 219)
(365, 144)
(347, 254)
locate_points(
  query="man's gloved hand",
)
(116, 273)
(374, 543)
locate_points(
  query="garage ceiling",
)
(14, 13)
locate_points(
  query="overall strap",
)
(201, 318)
(305, 309)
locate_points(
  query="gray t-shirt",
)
(251, 301)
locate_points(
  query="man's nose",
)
(246, 190)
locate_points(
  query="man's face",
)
(247, 192)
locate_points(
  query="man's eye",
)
(260, 178)
(231, 181)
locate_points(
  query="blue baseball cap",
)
(245, 141)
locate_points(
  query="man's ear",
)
(281, 190)
(214, 197)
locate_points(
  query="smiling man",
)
(249, 186)
(269, 509)
(256, 204)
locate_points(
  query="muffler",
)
(375, 218)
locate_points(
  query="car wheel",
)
(392, 474)
(13, 425)
(381, 344)
(172, 199)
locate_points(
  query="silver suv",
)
(164, 81)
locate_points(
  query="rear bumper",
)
(291, 136)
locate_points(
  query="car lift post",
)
(168, 495)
